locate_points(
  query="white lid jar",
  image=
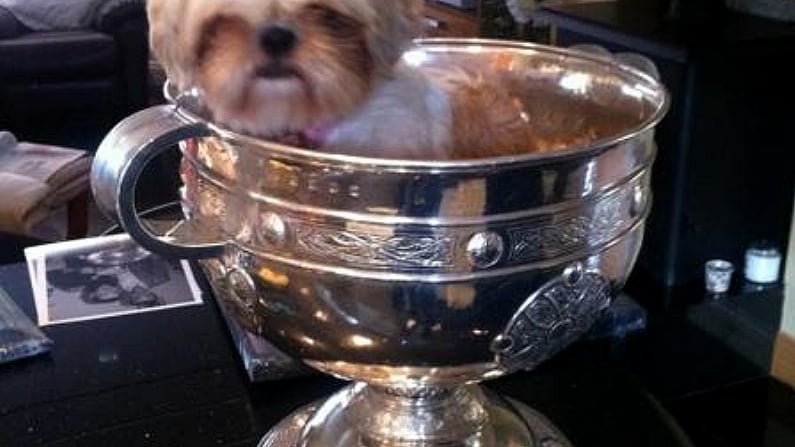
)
(762, 263)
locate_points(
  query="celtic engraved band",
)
(448, 248)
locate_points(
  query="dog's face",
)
(268, 67)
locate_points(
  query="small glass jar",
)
(718, 276)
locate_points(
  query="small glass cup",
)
(718, 275)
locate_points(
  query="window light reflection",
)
(360, 341)
(576, 82)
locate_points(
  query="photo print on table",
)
(103, 277)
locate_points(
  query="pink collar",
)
(313, 137)
(317, 134)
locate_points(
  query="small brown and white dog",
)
(330, 72)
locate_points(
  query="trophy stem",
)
(428, 415)
(364, 415)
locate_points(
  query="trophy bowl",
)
(415, 279)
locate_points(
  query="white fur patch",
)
(406, 115)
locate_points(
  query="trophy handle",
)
(118, 164)
(635, 60)
(552, 318)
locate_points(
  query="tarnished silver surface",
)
(411, 273)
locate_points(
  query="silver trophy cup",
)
(415, 279)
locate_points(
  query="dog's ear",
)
(166, 29)
(397, 23)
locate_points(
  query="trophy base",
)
(358, 416)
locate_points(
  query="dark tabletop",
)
(172, 378)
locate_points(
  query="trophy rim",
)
(661, 103)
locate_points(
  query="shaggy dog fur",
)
(328, 74)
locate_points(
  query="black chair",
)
(50, 80)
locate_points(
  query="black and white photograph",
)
(103, 277)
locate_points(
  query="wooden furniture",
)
(784, 359)
(442, 20)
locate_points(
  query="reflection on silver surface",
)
(418, 276)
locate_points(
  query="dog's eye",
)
(332, 20)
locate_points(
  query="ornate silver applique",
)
(552, 318)
(485, 249)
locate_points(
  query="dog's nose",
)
(277, 40)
